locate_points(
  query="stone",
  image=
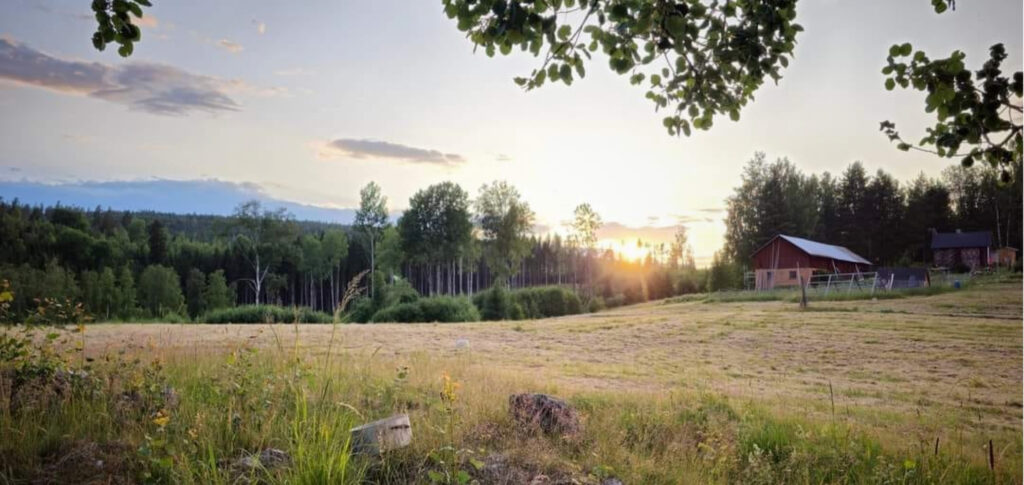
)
(382, 435)
(546, 413)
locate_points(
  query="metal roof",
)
(947, 240)
(823, 250)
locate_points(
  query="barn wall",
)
(787, 256)
(766, 279)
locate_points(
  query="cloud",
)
(232, 47)
(362, 149)
(503, 158)
(146, 21)
(260, 26)
(150, 87)
(712, 210)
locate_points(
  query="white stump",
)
(383, 435)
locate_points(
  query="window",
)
(792, 275)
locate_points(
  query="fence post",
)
(874, 283)
(828, 284)
(803, 291)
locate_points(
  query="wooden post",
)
(803, 289)
(991, 457)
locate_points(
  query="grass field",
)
(903, 391)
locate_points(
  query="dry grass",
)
(906, 371)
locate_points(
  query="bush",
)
(444, 309)
(361, 310)
(498, 303)
(494, 303)
(615, 301)
(399, 292)
(264, 314)
(595, 304)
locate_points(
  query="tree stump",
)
(383, 435)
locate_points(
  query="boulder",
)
(546, 413)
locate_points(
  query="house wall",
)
(1006, 257)
(970, 257)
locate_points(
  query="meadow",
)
(923, 389)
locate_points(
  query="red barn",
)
(783, 259)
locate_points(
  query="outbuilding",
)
(783, 260)
(970, 249)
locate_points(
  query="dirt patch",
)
(90, 463)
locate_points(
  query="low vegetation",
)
(264, 314)
(895, 391)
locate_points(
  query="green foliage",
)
(195, 289)
(442, 309)
(982, 110)
(216, 294)
(505, 220)
(498, 303)
(159, 291)
(724, 274)
(114, 24)
(700, 60)
(264, 314)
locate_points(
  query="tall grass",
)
(236, 403)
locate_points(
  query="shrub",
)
(595, 304)
(399, 292)
(264, 314)
(494, 303)
(615, 301)
(361, 310)
(498, 303)
(443, 309)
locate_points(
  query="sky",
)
(304, 103)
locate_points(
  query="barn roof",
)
(947, 240)
(822, 250)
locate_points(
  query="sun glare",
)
(627, 249)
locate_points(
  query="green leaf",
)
(890, 84)
(894, 50)
(906, 49)
(734, 115)
(462, 477)
(564, 32)
(435, 476)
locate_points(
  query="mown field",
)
(891, 391)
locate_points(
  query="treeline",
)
(128, 266)
(874, 215)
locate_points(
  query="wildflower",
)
(161, 419)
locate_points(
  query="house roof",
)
(947, 240)
(823, 250)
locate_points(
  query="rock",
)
(383, 435)
(39, 391)
(462, 343)
(549, 414)
(267, 458)
(113, 463)
(611, 481)
(540, 480)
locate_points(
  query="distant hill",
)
(168, 197)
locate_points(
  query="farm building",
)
(1006, 257)
(971, 249)
(783, 260)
